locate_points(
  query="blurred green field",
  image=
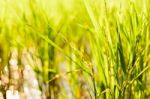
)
(78, 49)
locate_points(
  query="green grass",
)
(87, 48)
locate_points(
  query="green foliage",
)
(87, 48)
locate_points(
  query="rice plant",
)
(74, 49)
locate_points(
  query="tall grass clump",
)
(75, 49)
(119, 48)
